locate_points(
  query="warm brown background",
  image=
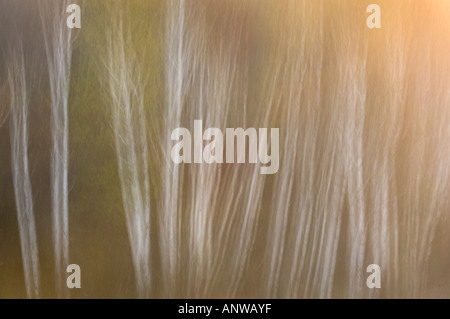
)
(364, 118)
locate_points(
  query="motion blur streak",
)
(130, 131)
(20, 169)
(58, 45)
